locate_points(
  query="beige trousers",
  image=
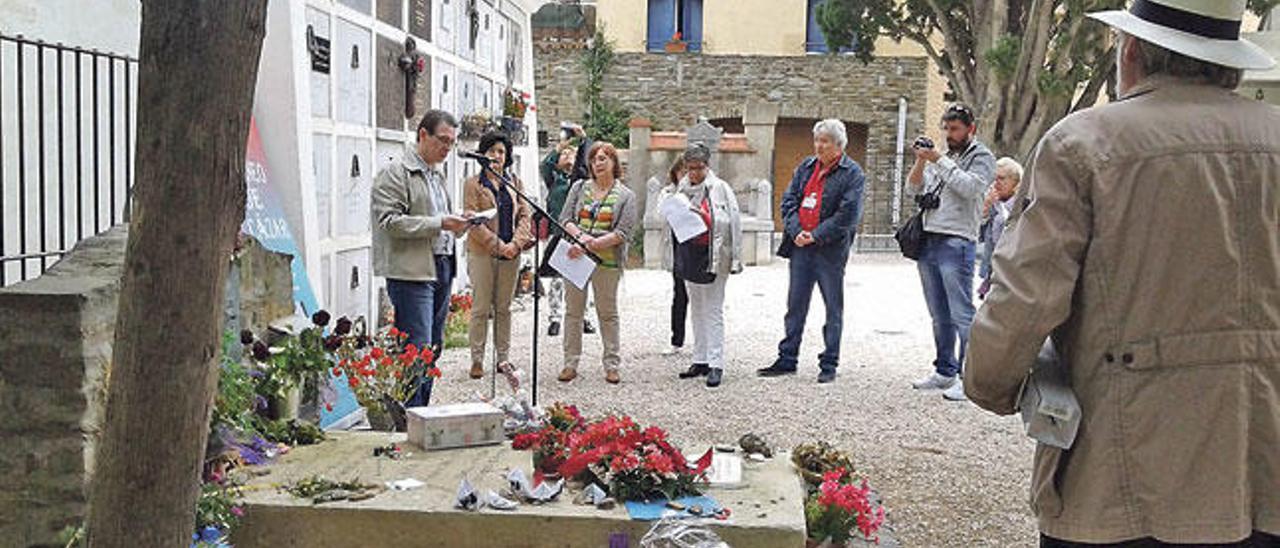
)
(604, 282)
(493, 285)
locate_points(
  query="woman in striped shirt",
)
(601, 213)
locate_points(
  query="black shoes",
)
(826, 376)
(778, 369)
(696, 370)
(588, 328)
(554, 329)
(714, 377)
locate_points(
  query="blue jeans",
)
(946, 274)
(825, 268)
(421, 309)
(446, 269)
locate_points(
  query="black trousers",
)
(679, 312)
(1258, 540)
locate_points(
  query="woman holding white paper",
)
(705, 261)
(494, 250)
(601, 213)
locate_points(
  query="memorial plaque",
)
(391, 84)
(420, 19)
(391, 12)
(422, 95)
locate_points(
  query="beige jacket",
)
(483, 240)
(1147, 237)
(404, 231)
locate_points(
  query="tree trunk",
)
(199, 62)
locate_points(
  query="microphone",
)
(473, 155)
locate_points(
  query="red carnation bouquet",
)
(383, 367)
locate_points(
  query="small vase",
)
(391, 418)
(285, 406)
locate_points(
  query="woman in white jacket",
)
(705, 262)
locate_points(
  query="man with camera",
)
(952, 185)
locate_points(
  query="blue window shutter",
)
(662, 23)
(693, 24)
(814, 41)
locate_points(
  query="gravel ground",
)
(951, 474)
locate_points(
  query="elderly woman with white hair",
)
(820, 212)
(995, 209)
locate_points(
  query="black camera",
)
(923, 142)
(928, 200)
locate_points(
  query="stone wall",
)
(55, 355)
(55, 351)
(673, 90)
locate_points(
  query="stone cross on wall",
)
(705, 133)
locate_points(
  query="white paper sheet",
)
(683, 221)
(577, 271)
(482, 217)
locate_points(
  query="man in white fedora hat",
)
(1146, 240)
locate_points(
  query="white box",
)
(459, 425)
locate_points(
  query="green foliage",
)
(824, 523)
(856, 24)
(289, 432)
(72, 536)
(300, 358)
(219, 506)
(456, 328)
(1003, 56)
(234, 404)
(606, 119)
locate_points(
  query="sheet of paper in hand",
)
(482, 217)
(577, 271)
(686, 223)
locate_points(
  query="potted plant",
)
(839, 509)
(291, 371)
(474, 125)
(676, 44)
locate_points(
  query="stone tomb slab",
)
(767, 512)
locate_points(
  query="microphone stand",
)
(558, 229)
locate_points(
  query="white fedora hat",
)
(1208, 30)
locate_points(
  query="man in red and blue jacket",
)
(820, 213)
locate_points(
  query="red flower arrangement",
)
(839, 507)
(631, 462)
(550, 444)
(382, 367)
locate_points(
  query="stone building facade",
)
(880, 102)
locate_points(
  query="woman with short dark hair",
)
(494, 250)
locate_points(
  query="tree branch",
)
(947, 69)
(1032, 64)
(1101, 75)
(950, 41)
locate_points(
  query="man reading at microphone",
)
(414, 237)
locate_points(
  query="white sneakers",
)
(671, 350)
(934, 382)
(956, 392)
